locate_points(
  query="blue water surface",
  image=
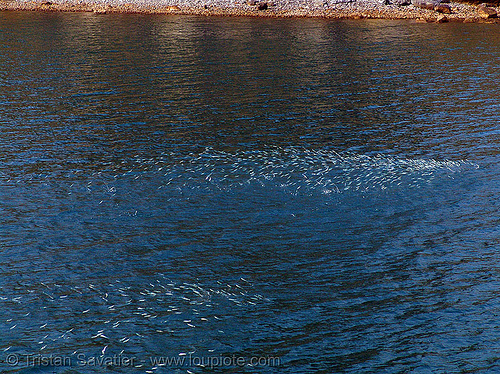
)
(191, 195)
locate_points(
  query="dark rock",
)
(443, 8)
(252, 2)
(262, 6)
(486, 12)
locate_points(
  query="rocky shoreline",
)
(418, 10)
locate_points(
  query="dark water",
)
(190, 195)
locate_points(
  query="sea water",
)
(190, 195)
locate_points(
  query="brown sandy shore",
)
(359, 9)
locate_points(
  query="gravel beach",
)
(417, 10)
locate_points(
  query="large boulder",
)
(486, 12)
(262, 5)
(443, 8)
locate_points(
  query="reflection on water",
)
(318, 194)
